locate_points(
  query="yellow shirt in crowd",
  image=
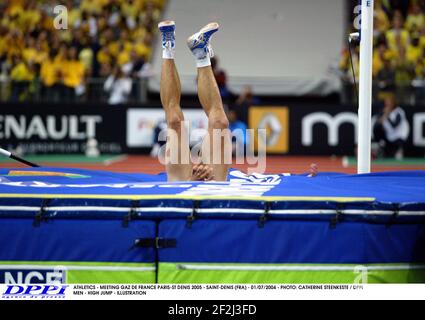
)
(29, 54)
(86, 57)
(21, 72)
(391, 36)
(103, 56)
(3, 46)
(378, 60)
(123, 58)
(413, 53)
(415, 22)
(48, 73)
(131, 9)
(114, 48)
(142, 50)
(74, 15)
(383, 22)
(29, 19)
(73, 73)
(93, 6)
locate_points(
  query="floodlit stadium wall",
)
(295, 129)
(283, 47)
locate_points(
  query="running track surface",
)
(281, 164)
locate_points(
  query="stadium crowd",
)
(108, 39)
(399, 52)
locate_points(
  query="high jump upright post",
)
(365, 88)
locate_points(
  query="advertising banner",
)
(276, 122)
(293, 129)
(62, 129)
(142, 123)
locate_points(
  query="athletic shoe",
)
(199, 43)
(168, 31)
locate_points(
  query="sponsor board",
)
(332, 130)
(141, 124)
(295, 129)
(275, 120)
(62, 129)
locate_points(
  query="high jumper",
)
(214, 158)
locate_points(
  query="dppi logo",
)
(34, 291)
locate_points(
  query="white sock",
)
(204, 62)
(168, 54)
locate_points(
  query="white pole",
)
(5, 153)
(365, 89)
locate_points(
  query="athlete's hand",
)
(202, 172)
(314, 170)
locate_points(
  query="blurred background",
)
(79, 80)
